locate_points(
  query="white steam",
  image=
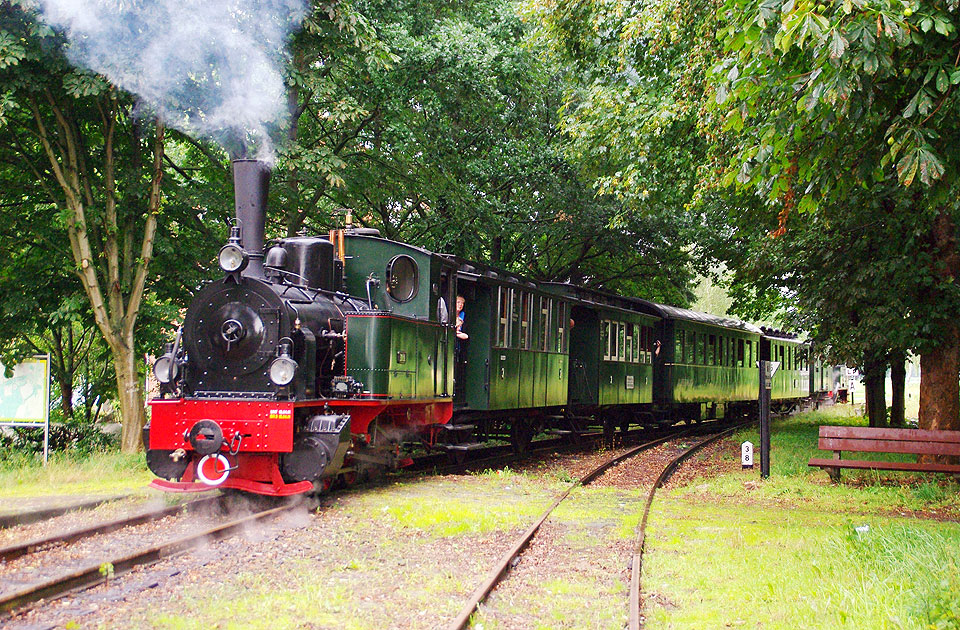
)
(210, 68)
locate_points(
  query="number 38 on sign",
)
(746, 454)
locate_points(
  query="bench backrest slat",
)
(872, 433)
(889, 446)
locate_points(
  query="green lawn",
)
(797, 551)
(98, 473)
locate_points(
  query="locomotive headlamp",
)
(283, 368)
(165, 368)
(232, 258)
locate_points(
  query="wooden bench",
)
(873, 440)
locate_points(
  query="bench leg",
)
(834, 472)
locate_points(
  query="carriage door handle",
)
(502, 373)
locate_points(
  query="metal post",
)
(46, 412)
(765, 385)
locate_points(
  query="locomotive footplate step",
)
(456, 427)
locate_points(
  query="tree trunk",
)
(132, 415)
(898, 379)
(495, 250)
(940, 365)
(874, 373)
(939, 390)
(113, 272)
(66, 394)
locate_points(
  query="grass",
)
(306, 603)
(793, 441)
(794, 551)
(727, 565)
(736, 551)
(495, 500)
(66, 473)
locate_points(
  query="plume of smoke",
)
(210, 68)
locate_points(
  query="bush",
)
(80, 437)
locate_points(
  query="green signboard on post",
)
(25, 397)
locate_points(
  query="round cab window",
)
(402, 279)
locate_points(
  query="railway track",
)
(509, 559)
(35, 516)
(636, 562)
(11, 552)
(497, 457)
(92, 571)
(96, 571)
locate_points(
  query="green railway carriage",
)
(706, 364)
(516, 357)
(821, 374)
(612, 344)
(403, 347)
(791, 381)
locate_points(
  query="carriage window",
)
(622, 342)
(503, 316)
(545, 304)
(613, 341)
(678, 346)
(638, 334)
(561, 327)
(614, 335)
(630, 329)
(515, 318)
(605, 339)
(525, 300)
(687, 347)
(721, 355)
(740, 355)
(711, 350)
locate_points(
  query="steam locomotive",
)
(321, 358)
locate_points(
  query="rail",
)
(493, 578)
(91, 574)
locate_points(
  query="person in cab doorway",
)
(461, 302)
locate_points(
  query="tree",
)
(455, 127)
(803, 115)
(829, 100)
(99, 167)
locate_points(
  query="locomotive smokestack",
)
(251, 181)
